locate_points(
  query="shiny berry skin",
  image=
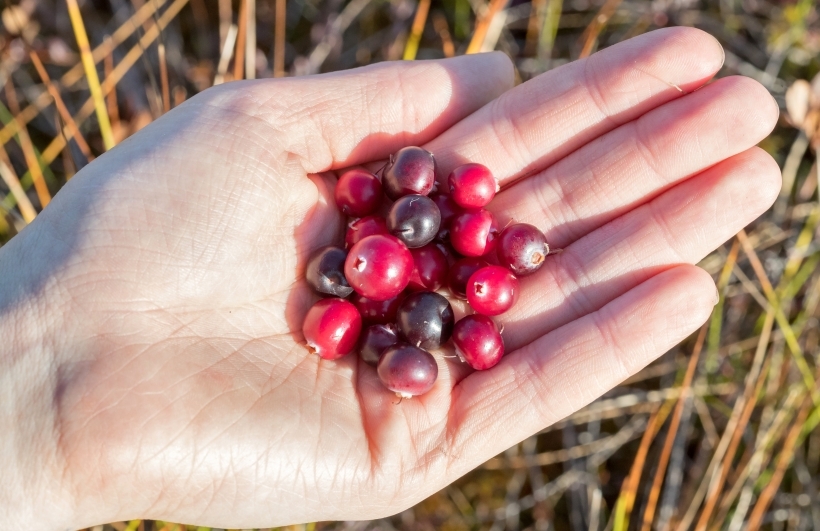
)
(430, 270)
(522, 248)
(325, 272)
(448, 252)
(379, 267)
(362, 228)
(414, 219)
(473, 233)
(375, 339)
(492, 290)
(478, 342)
(472, 186)
(425, 319)
(377, 312)
(412, 170)
(460, 273)
(449, 209)
(407, 370)
(332, 328)
(358, 193)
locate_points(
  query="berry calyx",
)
(473, 233)
(375, 340)
(331, 328)
(414, 219)
(472, 185)
(492, 290)
(325, 272)
(478, 341)
(358, 192)
(425, 319)
(406, 370)
(412, 170)
(379, 267)
(522, 248)
(429, 269)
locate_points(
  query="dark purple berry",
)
(430, 271)
(522, 248)
(358, 192)
(478, 342)
(375, 339)
(377, 312)
(449, 210)
(460, 273)
(407, 370)
(325, 272)
(425, 319)
(414, 219)
(412, 170)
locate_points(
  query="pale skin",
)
(152, 363)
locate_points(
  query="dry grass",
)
(718, 434)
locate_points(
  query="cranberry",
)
(362, 228)
(472, 185)
(448, 252)
(407, 370)
(522, 248)
(414, 219)
(377, 312)
(449, 209)
(412, 170)
(478, 342)
(325, 272)
(358, 192)
(430, 269)
(425, 319)
(492, 290)
(460, 273)
(473, 232)
(332, 328)
(375, 340)
(379, 267)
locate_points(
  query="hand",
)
(156, 305)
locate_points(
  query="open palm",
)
(181, 389)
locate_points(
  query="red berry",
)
(473, 233)
(379, 267)
(478, 342)
(448, 209)
(522, 248)
(375, 340)
(407, 370)
(362, 228)
(430, 268)
(412, 170)
(472, 185)
(332, 328)
(377, 312)
(492, 290)
(460, 273)
(358, 192)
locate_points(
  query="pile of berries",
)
(389, 276)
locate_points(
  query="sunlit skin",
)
(152, 362)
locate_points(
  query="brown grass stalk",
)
(279, 29)
(594, 29)
(13, 183)
(443, 31)
(163, 76)
(483, 24)
(239, 55)
(28, 150)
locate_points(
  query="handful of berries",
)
(395, 264)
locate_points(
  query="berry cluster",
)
(395, 264)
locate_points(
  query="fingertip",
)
(486, 75)
(693, 294)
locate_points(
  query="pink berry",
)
(412, 170)
(430, 268)
(448, 209)
(332, 328)
(478, 342)
(460, 273)
(375, 340)
(522, 248)
(379, 267)
(472, 185)
(377, 312)
(362, 228)
(473, 233)
(407, 370)
(492, 290)
(358, 192)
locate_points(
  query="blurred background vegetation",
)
(717, 434)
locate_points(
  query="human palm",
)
(174, 264)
